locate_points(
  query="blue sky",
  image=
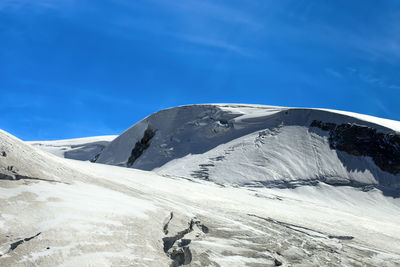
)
(74, 68)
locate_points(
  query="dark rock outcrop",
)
(19, 242)
(277, 262)
(165, 228)
(14, 245)
(7, 176)
(326, 126)
(360, 140)
(94, 159)
(141, 145)
(341, 237)
(12, 175)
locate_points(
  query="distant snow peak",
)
(261, 145)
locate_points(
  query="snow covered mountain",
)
(80, 148)
(234, 185)
(262, 146)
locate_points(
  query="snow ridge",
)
(257, 145)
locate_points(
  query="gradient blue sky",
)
(74, 68)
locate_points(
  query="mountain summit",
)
(262, 146)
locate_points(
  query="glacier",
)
(207, 185)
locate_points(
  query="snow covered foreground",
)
(63, 212)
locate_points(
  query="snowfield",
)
(219, 185)
(80, 148)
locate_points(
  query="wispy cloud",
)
(202, 23)
(334, 73)
(365, 79)
(210, 42)
(221, 11)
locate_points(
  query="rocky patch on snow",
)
(15, 244)
(176, 246)
(141, 145)
(361, 140)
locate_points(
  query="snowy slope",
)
(79, 148)
(62, 212)
(263, 146)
